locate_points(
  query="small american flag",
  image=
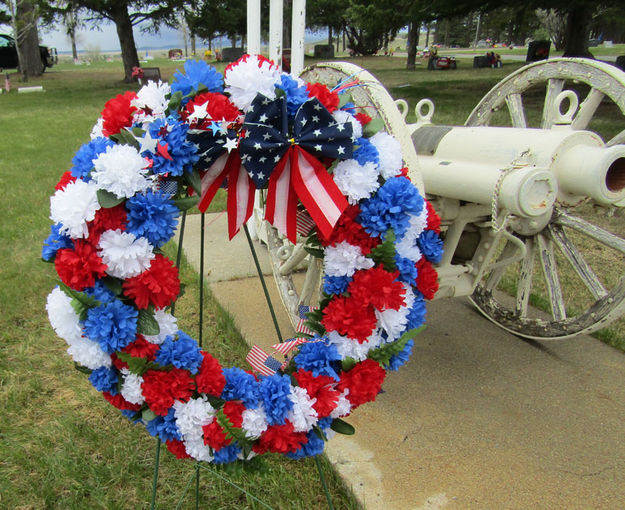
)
(262, 362)
(304, 223)
(301, 325)
(287, 346)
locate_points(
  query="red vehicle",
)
(444, 63)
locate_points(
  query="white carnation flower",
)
(151, 97)
(344, 259)
(168, 325)
(389, 151)
(350, 348)
(343, 406)
(356, 181)
(125, 254)
(121, 170)
(407, 246)
(62, 316)
(73, 207)
(341, 117)
(394, 321)
(254, 422)
(303, 416)
(250, 77)
(131, 387)
(97, 129)
(198, 450)
(191, 416)
(89, 354)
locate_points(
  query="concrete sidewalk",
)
(477, 419)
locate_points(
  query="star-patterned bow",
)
(219, 161)
(289, 164)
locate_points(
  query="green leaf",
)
(127, 138)
(315, 252)
(347, 364)
(342, 427)
(81, 297)
(82, 369)
(231, 431)
(194, 180)
(344, 99)
(385, 253)
(320, 434)
(384, 353)
(216, 402)
(373, 127)
(113, 284)
(147, 324)
(138, 132)
(148, 415)
(135, 365)
(175, 101)
(108, 199)
(186, 203)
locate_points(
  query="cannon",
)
(527, 197)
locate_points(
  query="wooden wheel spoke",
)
(524, 285)
(588, 229)
(577, 261)
(552, 281)
(517, 113)
(554, 87)
(618, 139)
(587, 109)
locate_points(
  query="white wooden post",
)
(297, 36)
(253, 27)
(275, 31)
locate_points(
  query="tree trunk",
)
(427, 35)
(28, 40)
(577, 31)
(330, 38)
(122, 21)
(411, 45)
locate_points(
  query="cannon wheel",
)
(576, 248)
(287, 260)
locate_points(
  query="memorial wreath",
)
(164, 149)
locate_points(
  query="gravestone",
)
(324, 51)
(231, 54)
(620, 62)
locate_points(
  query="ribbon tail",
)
(240, 194)
(281, 208)
(316, 189)
(212, 180)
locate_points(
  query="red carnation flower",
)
(434, 220)
(218, 107)
(363, 381)
(244, 58)
(161, 389)
(326, 97)
(113, 218)
(378, 287)
(141, 348)
(427, 278)
(214, 434)
(321, 388)
(280, 439)
(363, 118)
(158, 285)
(79, 267)
(178, 449)
(350, 317)
(65, 179)
(210, 378)
(117, 113)
(348, 229)
(120, 402)
(117, 363)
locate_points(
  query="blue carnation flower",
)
(182, 353)
(296, 96)
(113, 325)
(100, 292)
(349, 107)
(318, 358)
(153, 216)
(324, 423)
(104, 379)
(83, 160)
(240, 386)
(390, 208)
(227, 454)
(274, 391)
(399, 359)
(131, 415)
(164, 427)
(196, 74)
(416, 315)
(54, 242)
(366, 152)
(182, 153)
(431, 246)
(335, 284)
(314, 446)
(407, 269)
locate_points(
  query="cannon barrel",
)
(467, 163)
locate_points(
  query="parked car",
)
(8, 54)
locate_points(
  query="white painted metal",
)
(298, 30)
(275, 31)
(253, 27)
